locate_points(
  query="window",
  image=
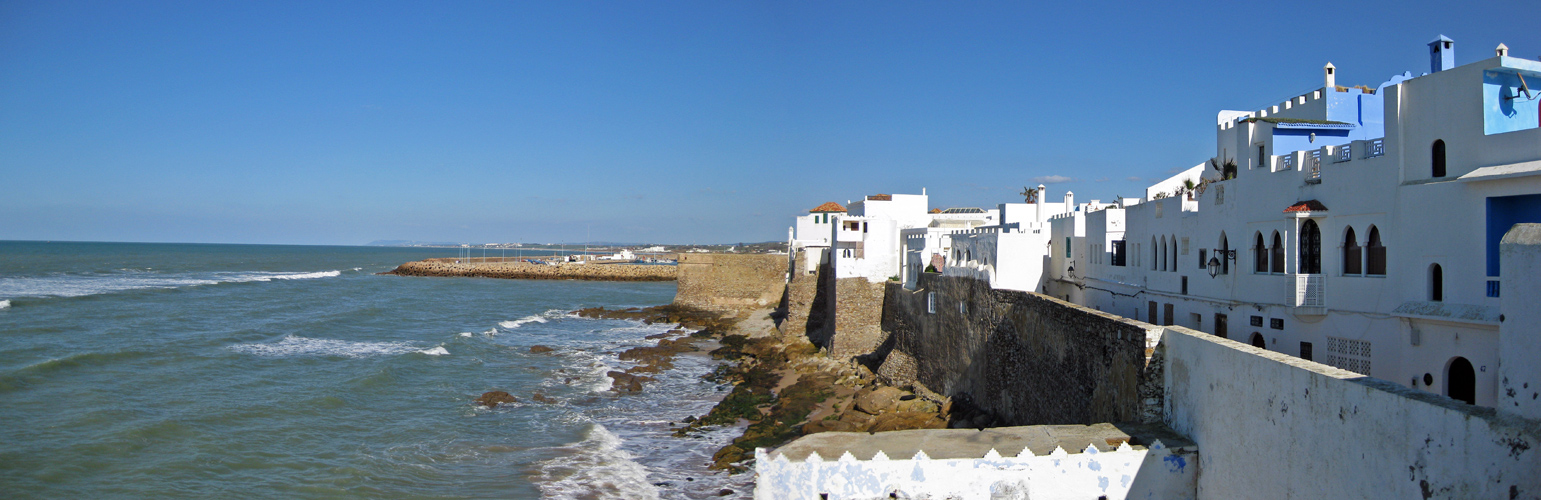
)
(1166, 315)
(1436, 283)
(1375, 254)
(863, 227)
(1203, 258)
(1310, 248)
(1185, 285)
(1305, 351)
(1225, 254)
(930, 302)
(1256, 321)
(1259, 255)
(1277, 264)
(1438, 153)
(1353, 264)
(1154, 257)
(1152, 316)
(1174, 252)
(1118, 253)
(1067, 247)
(1276, 323)
(1163, 254)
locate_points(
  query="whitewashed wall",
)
(1158, 472)
(1268, 422)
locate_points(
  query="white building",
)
(1356, 227)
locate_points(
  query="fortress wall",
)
(1270, 422)
(731, 281)
(1024, 357)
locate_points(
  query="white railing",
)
(1310, 290)
(1345, 153)
(1316, 164)
(1377, 148)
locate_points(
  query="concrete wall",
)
(729, 281)
(1024, 357)
(1269, 422)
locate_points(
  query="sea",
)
(132, 370)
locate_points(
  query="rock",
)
(917, 405)
(493, 398)
(724, 492)
(537, 349)
(626, 382)
(540, 397)
(881, 399)
(856, 417)
(818, 426)
(689, 419)
(906, 420)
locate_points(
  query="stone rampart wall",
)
(1024, 357)
(1271, 422)
(521, 270)
(731, 281)
(802, 318)
(858, 308)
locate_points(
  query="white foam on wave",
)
(293, 345)
(533, 318)
(79, 285)
(437, 351)
(595, 467)
(5, 304)
(466, 334)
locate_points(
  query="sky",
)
(341, 123)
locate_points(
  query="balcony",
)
(1310, 295)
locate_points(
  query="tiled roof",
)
(936, 211)
(1307, 206)
(828, 206)
(881, 197)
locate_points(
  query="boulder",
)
(540, 397)
(917, 405)
(906, 420)
(818, 426)
(626, 382)
(493, 398)
(537, 349)
(879, 400)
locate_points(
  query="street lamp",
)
(1214, 267)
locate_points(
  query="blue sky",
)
(673, 122)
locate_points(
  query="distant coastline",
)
(592, 271)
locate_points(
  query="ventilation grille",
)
(1348, 354)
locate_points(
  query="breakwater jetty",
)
(523, 270)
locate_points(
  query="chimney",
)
(1331, 74)
(1069, 202)
(1441, 54)
(1502, 50)
(1040, 201)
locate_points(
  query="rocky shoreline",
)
(783, 386)
(528, 271)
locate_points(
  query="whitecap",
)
(437, 351)
(466, 334)
(534, 318)
(5, 304)
(595, 467)
(293, 345)
(79, 285)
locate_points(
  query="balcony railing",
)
(1315, 162)
(1377, 148)
(1310, 290)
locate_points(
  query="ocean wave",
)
(80, 285)
(595, 467)
(5, 304)
(437, 351)
(293, 345)
(536, 318)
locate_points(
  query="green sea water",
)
(246, 371)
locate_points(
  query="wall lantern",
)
(1214, 262)
(1214, 267)
(1070, 271)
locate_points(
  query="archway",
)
(1258, 342)
(1436, 283)
(1461, 381)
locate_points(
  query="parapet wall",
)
(1274, 423)
(1025, 358)
(731, 281)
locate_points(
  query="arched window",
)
(1375, 254)
(1258, 342)
(1225, 246)
(1154, 255)
(1436, 283)
(1277, 264)
(1163, 253)
(1461, 381)
(1174, 252)
(1353, 263)
(1439, 158)
(1259, 254)
(1310, 248)
(968, 255)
